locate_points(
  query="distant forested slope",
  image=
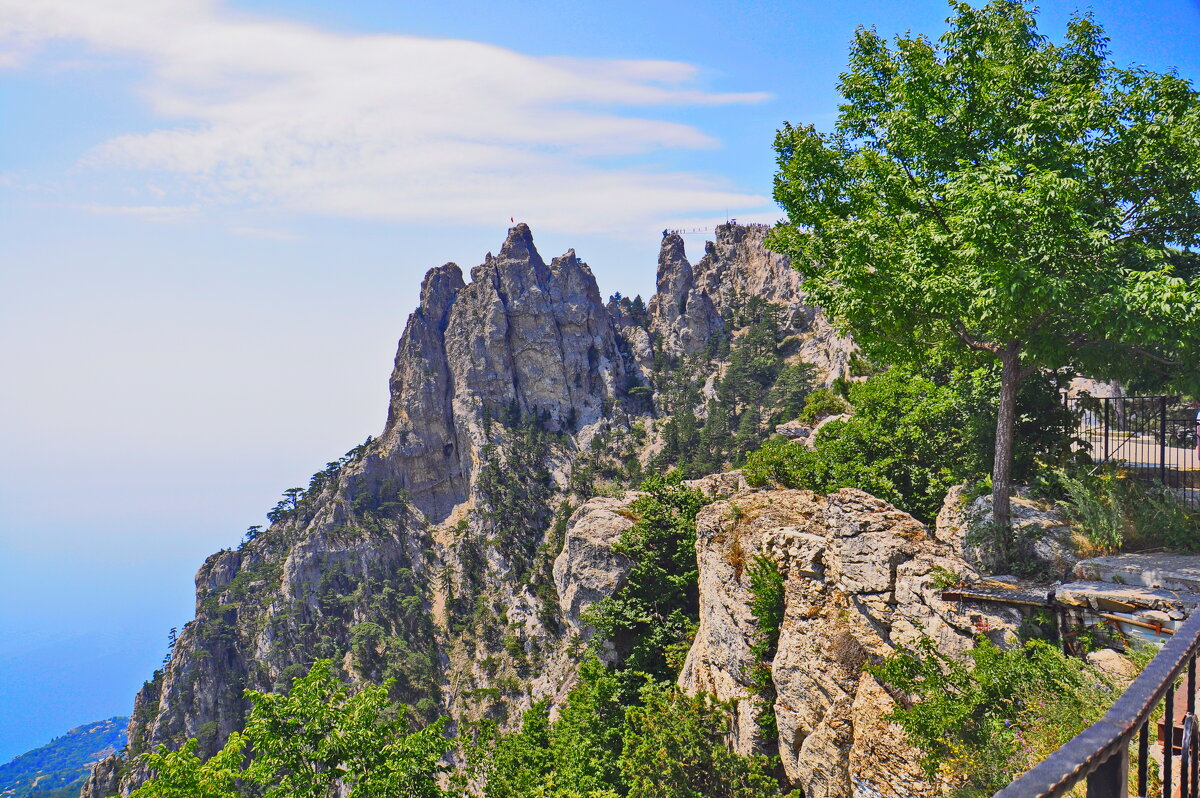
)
(59, 768)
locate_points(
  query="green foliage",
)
(60, 767)
(996, 197)
(656, 610)
(182, 774)
(299, 502)
(306, 743)
(516, 491)
(980, 724)
(904, 444)
(821, 403)
(1115, 511)
(675, 748)
(757, 390)
(665, 744)
(577, 754)
(913, 437)
(944, 578)
(767, 605)
(611, 460)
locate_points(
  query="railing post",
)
(1111, 780)
(1162, 440)
(1106, 423)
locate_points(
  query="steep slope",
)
(59, 768)
(427, 554)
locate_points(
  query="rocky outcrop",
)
(682, 314)
(859, 583)
(428, 554)
(522, 339)
(1046, 540)
(695, 302)
(588, 570)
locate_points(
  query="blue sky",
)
(214, 217)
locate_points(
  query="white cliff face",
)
(858, 585)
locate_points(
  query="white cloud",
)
(271, 113)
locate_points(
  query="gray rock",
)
(403, 530)
(1154, 570)
(588, 570)
(1046, 538)
(793, 430)
(737, 265)
(859, 583)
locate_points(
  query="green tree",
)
(997, 197)
(909, 441)
(318, 735)
(653, 617)
(308, 743)
(675, 748)
(182, 774)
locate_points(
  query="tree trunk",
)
(1010, 379)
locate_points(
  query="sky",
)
(214, 218)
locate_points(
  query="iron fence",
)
(1154, 437)
(1100, 754)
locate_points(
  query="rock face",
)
(521, 338)
(434, 553)
(694, 302)
(588, 570)
(1046, 539)
(858, 581)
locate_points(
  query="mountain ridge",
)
(428, 554)
(60, 767)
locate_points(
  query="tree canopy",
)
(997, 196)
(309, 743)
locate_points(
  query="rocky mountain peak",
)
(440, 534)
(438, 289)
(518, 245)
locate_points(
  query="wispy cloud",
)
(272, 113)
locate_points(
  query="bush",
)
(913, 437)
(655, 613)
(980, 724)
(663, 744)
(1116, 512)
(821, 403)
(767, 606)
(904, 444)
(675, 748)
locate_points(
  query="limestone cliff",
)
(858, 583)
(456, 551)
(695, 302)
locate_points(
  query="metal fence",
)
(1100, 754)
(1152, 436)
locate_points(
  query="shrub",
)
(657, 609)
(1115, 511)
(980, 724)
(675, 748)
(912, 438)
(767, 606)
(821, 403)
(904, 444)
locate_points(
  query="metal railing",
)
(1100, 753)
(1153, 436)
